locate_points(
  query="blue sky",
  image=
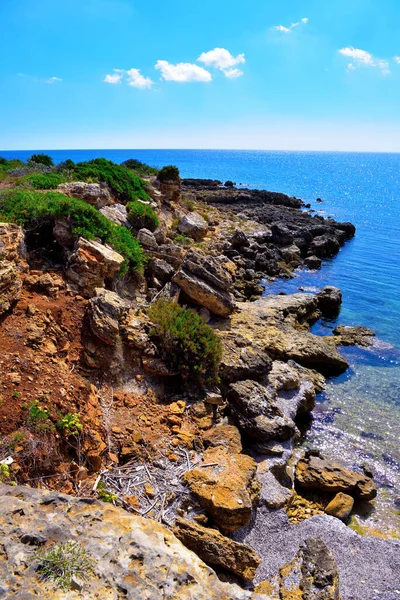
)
(304, 75)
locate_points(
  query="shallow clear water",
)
(358, 416)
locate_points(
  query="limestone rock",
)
(12, 264)
(10, 286)
(313, 262)
(161, 270)
(147, 239)
(227, 436)
(318, 473)
(12, 244)
(135, 335)
(227, 489)
(351, 336)
(193, 225)
(91, 264)
(132, 557)
(240, 362)
(169, 292)
(105, 311)
(204, 279)
(116, 213)
(324, 246)
(216, 549)
(329, 300)
(341, 506)
(97, 194)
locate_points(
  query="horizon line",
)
(200, 150)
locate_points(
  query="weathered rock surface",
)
(314, 472)
(205, 280)
(91, 264)
(97, 194)
(227, 436)
(216, 549)
(147, 239)
(341, 506)
(193, 225)
(329, 300)
(227, 489)
(132, 557)
(351, 336)
(12, 264)
(105, 311)
(116, 213)
(313, 262)
(160, 269)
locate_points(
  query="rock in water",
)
(194, 226)
(329, 300)
(216, 549)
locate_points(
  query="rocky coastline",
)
(213, 477)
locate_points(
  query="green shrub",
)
(104, 495)
(70, 424)
(139, 167)
(123, 182)
(187, 344)
(229, 184)
(38, 418)
(168, 173)
(63, 563)
(4, 472)
(43, 159)
(24, 208)
(182, 240)
(45, 181)
(142, 215)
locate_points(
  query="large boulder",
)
(315, 472)
(97, 194)
(216, 549)
(193, 225)
(12, 264)
(91, 264)
(131, 557)
(206, 281)
(105, 311)
(226, 486)
(329, 300)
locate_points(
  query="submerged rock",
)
(353, 336)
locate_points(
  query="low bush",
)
(64, 563)
(229, 184)
(183, 240)
(139, 167)
(70, 424)
(125, 185)
(142, 215)
(24, 208)
(187, 344)
(43, 159)
(38, 418)
(49, 181)
(168, 173)
(104, 495)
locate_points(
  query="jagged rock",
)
(214, 398)
(97, 194)
(91, 264)
(205, 280)
(116, 213)
(48, 283)
(135, 335)
(169, 292)
(329, 300)
(227, 489)
(324, 246)
(239, 240)
(314, 472)
(227, 436)
(341, 506)
(313, 262)
(12, 264)
(351, 336)
(238, 362)
(255, 411)
(170, 191)
(216, 549)
(291, 254)
(131, 557)
(105, 311)
(161, 270)
(194, 226)
(311, 575)
(147, 239)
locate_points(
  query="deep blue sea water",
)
(358, 417)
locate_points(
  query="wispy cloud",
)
(133, 77)
(290, 28)
(397, 59)
(49, 80)
(222, 59)
(182, 72)
(362, 58)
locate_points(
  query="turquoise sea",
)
(358, 416)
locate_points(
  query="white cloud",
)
(364, 58)
(182, 72)
(350, 67)
(397, 59)
(137, 80)
(284, 29)
(222, 59)
(114, 78)
(53, 80)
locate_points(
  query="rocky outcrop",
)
(216, 549)
(205, 280)
(193, 225)
(12, 264)
(353, 336)
(130, 556)
(315, 472)
(97, 194)
(91, 264)
(329, 300)
(116, 213)
(225, 485)
(105, 311)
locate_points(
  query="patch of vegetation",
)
(229, 184)
(63, 563)
(25, 208)
(142, 215)
(183, 240)
(15, 394)
(187, 344)
(38, 418)
(4, 472)
(16, 439)
(125, 185)
(42, 159)
(70, 424)
(44, 181)
(139, 167)
(104, 495)
(168, 173)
